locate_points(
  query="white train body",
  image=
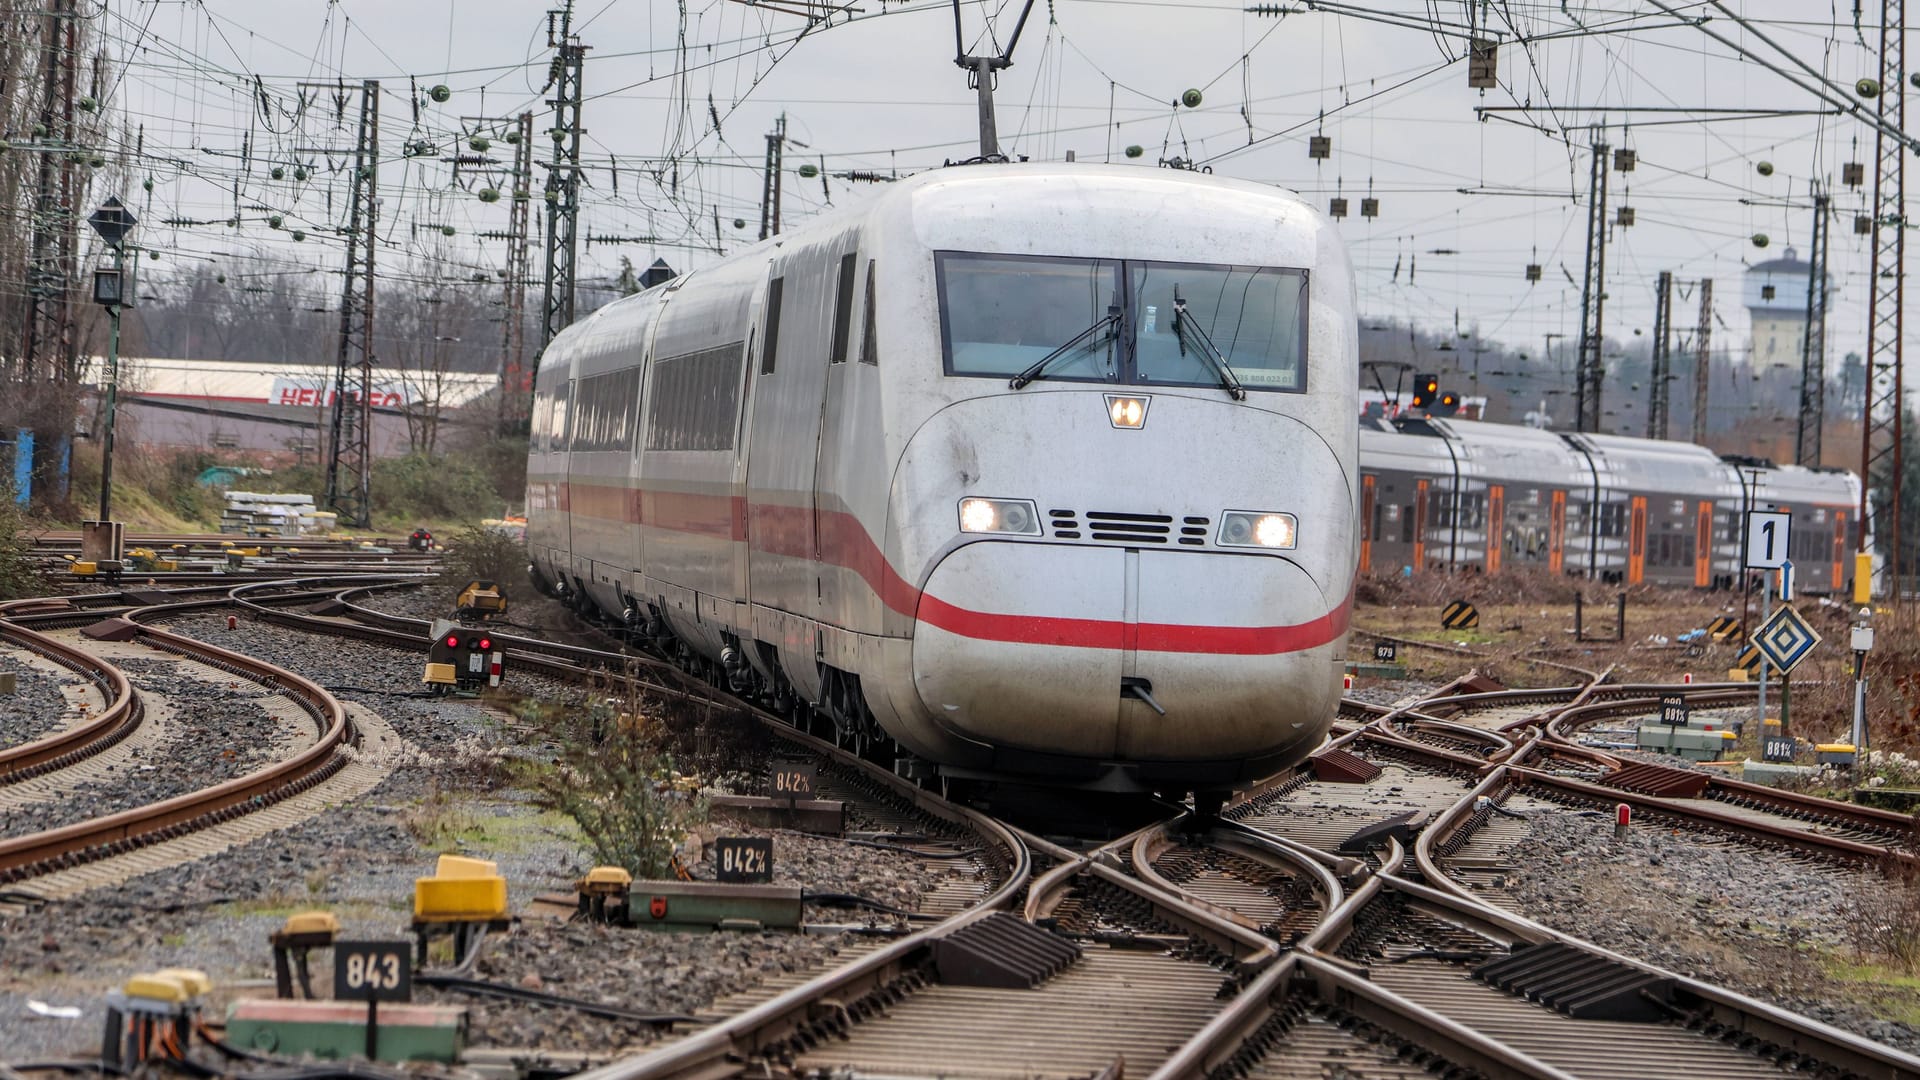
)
(768, 464)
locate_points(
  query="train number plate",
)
(743, 860)
(1673, 710)
(372, 971)
(793, 780)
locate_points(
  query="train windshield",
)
(1252, 316)
(1001, 314)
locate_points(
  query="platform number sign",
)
(1673, 710)
(1767, 539)
(1385, 652)
(794, 779)
(743, 860)
(372, 971)
(1776, 748)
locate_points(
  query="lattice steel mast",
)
(350, 460)
(563, 175)
(514, 377)
(770, 179)
(1590, 372)
(1657, 393)
(47, 345)
(1702, 361)
(1813, 345)
(1880, 452)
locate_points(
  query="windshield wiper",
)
(1037, 370)
(1202, 344)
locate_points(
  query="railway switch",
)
(463, 896)
(304, 932)
(481, 599)
(152, 1017)
(603, 894)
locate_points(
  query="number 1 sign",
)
(1767, 539)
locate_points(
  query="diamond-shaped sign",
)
(1785, 638)
(113, 221)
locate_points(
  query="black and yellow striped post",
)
(1460, 615)
(1747, 664)
(1723, 627)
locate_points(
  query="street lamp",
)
(113, 222)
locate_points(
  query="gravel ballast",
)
(1769, 926)
(360, 862)
(38, 706)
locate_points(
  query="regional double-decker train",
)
(1041, 471)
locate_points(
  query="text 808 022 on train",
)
(1041, 471)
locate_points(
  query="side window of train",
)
(772, 343)
(843, 309)
(869, 348)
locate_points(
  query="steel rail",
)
(97, 838)
(1150, 843)
(830, 995)
(1793, 1032)
(120, 716)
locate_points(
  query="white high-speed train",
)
(1039, 470)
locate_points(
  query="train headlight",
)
(1246, 528)
(1013, 516)
(1126, 411)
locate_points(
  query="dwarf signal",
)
(462, 658)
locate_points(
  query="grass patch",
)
(1893, 995)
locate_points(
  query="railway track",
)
(1256, 946)
(334, 758)
(1406, 973)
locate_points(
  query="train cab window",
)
(869, 346)
(1186, 318)
(1001, 314)
(843, 309)
(562, 395)
(1177, 325)
(772, 342)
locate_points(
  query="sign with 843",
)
(372, 971)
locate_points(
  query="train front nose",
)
(1052, 652)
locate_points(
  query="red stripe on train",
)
(844, 542)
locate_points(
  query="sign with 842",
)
(745, 860)
(794, 779)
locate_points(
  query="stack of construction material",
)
(251, 513)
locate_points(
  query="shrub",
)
(475, 553)
(604, 765)
(437, 488)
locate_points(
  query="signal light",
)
(453, 641)
(1426, 388)
(485, 644)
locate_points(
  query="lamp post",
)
(111, 290)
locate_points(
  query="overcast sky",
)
(881, 93)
